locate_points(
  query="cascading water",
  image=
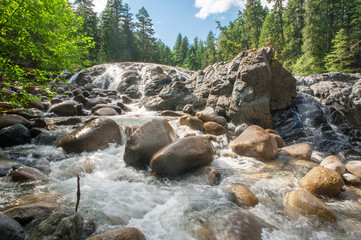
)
(115, 196)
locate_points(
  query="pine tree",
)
(293, 26)
(177, 51)
(84, 10)
(110, 34)
(129, 47)
(145, 35)
(253, 15)
(210, 54)
(340, 58)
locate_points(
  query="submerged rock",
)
(334, 163)
(244, 196)
(94, 135)
(302, 202)
(59, 225)
(128, 233)
(354, 167)
(24, 174)
(10, 229)
(26, 213)
(255, 142)
(183, 155)
(322, 181)
(146, 141)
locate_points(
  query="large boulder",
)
(16, 134)
(128, 233)
(183, 155)
(302, 202)
(26, 213)
(255, 142)
(12, 119)
(354, 167)
(322, 181)
(247, 88)
(94, 135)
(67, 108)
(10, 229)
(146, 141)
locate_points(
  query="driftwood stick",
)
(77, 194)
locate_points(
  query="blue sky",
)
(191, 18)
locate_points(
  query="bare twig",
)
(77, 194)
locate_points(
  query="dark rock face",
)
(10, 229)
(183, 155)
(94, 135)
(146, 141)
(339, 90)
(14, 135)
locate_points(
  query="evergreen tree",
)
(191, 60)
(84, 10)
(129, 46)
(253, 15)
(340, 58)
(145, 34)
(177, 51)
(294, 23)
(184, 48)
(210, 54)
(110, 34)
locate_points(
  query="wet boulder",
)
(59, 225)
(94, 135)
(204, 175)
(183, 155)
(14, 135)
(188, 108)
(25, 174)
(10, 229)
(255, 142)
(92, 102)
(192, 122)
(128, 233)
(99, 106)
(26, 213)
(67, 108)
(6, 166)
(354, 167)
(279, 140)
(302, 202)
(334, 163)
(352, 179)
(322, 181)
(12, 119)
(146, 141)
(207, 114)
(214, 128)
(106, 111)
(244, 196)
(301, 151)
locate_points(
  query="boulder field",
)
(226, 110)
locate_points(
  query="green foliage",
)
(340, 58)
(38, 37)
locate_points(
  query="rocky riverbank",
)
(259, 147)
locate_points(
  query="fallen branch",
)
(77, 194)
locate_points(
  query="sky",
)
(191, 18)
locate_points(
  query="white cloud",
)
(208, 7)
